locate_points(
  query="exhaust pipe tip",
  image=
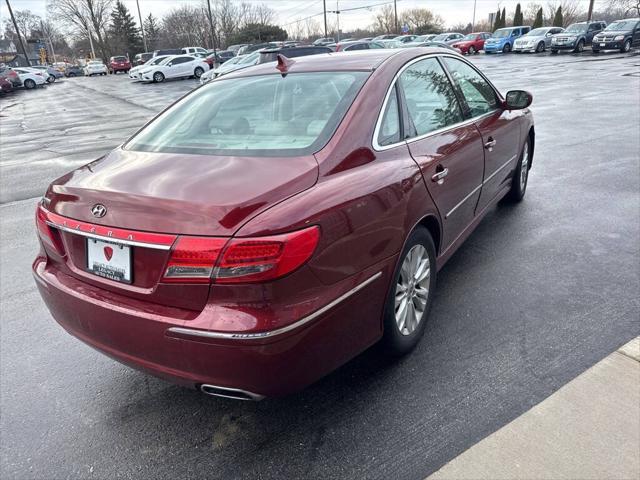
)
(232, 393)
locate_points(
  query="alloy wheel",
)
(524, 168)
(472, 50)
(412, 289)
(158, 77)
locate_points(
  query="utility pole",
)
(395, 15)
(93, 52)
(590, 14)
(337, 18)
(15, 25)
(144, 37)
(324, 4)
(473, 22)
(213, 33)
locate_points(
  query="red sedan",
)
(276, 222)
(472, 43)
(119, 64)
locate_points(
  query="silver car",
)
(537, 40)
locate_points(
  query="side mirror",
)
(517, 100)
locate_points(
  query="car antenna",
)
(284, 64)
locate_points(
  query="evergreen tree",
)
(124, 32)
(539, 20)
(558, 20)
(152, 31)
(496, 21)
(518, 18)
(503, 18)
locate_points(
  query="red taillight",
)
(49, 237)
(193, 258)
(266, 258)
(243, 260)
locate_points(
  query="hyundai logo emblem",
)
(99, 210)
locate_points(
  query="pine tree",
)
(152, 31)
(518, 18)
(558, 20)
(496, 22)
(539, 20)
(124, 31)
(503, 18)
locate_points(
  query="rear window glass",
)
(119, 59)
(265, 115)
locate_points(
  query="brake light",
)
(193, 258)
(249, 260)
(49, 237)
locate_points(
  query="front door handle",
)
(490, 144)
(439, 176)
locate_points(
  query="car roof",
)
(359, 60)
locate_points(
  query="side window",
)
(358, 46)
(390, 126)
(375, 45)
(430, 98)
(478, 94)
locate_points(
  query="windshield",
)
(621, 25)
(471, 36)
(266, 115)
(155, 60)
(502, 33)
(538, 32)
(93, 63)
(249, 58)
(576, 28)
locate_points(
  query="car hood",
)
(614, 32)
(178, 193)
(534, 38)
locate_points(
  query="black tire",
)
(51, 79)
(518, 186)
(71, 75)
(540, 48)
(626, 46)
(158, 77)
(580, 47)
(554, 52)
(198, 72)
(29, 84)
(394, 342)
(471, 50)
(506, 48)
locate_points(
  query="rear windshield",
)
(265, 115)
(119, 59)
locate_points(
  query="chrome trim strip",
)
(278, 331)
(379, 148)
(499, 168)
(463, 200)
(252, 396)
(109, 239)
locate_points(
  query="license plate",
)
(109, 260)
(602, 44)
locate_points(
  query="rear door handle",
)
(439, 176)
(490, 144)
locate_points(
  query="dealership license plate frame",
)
(127, 277)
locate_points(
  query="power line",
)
(388, 2)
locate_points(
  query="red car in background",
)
(119, 64)
(273, 224)
(5, 85)
(472, 43)
(11, 76)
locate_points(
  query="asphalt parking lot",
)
(539, 293)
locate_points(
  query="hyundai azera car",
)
(274, 223)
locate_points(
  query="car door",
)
(499, 129)
(179, 66)
(636, 35)
(593, 29)
(447, 149)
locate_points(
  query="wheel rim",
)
(157, 77)
(580, 46)
(524, 167)
(412, 289)
(627, 46)
(472, 50)
(198, 72)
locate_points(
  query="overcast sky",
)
(287, 11)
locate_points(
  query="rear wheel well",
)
(433, 226)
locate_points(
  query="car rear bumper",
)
(167, 345)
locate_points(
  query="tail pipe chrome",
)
(233, 393)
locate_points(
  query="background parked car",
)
(503, 39)
(95, 67)
(537, 40)
(11, 76)
(406, 38)
(358, 45)
(167, 51)
(176, 66)
(324, 41)
(236, 47)
(385, 37)
(73, 71)
(134, 73)
(236, 63)
(31, 78)
(620, 35)
(5, 85)
(194, 50)
(448, 37)
(52, 73)
(471, 43)
(270, 55)
(142, 58)
(419, 40)
(218, 58)
(119, 64)
(255, 47)
(576, 36)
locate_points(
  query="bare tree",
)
(628, 8)
(421, 21)
(530, 12)
(384, 20)
(27, 22)
(185, 26)
(572, 10)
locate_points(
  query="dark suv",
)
(620, 35)
(271, 54)
(576, 36)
